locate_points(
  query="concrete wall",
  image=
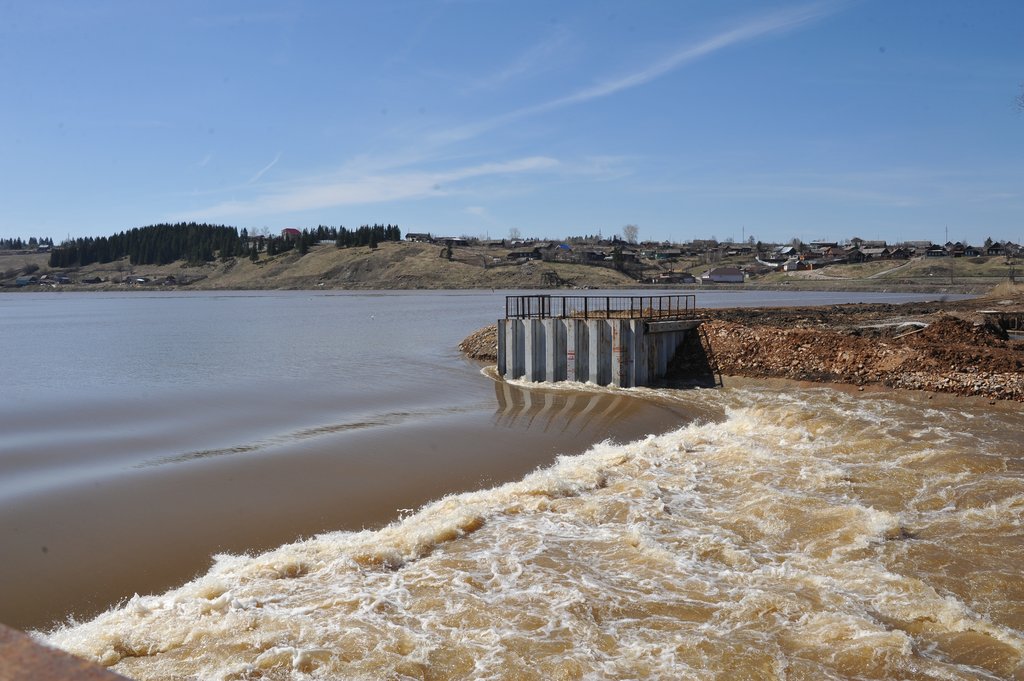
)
(620, 352)
(21, 659)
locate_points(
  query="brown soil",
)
(955, 347)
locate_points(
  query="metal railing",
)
(600, 307)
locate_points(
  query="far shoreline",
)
(413, 265)
(808, 286)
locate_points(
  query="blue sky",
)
(729, 119)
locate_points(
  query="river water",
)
(378, 507)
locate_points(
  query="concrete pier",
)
(613, 350)
(23, 659)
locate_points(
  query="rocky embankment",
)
(949, 355)
(955, 348)
(482, 344)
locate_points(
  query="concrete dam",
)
(625, 341)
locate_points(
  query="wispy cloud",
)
(770, 24)
(205, 161)
(255, 178)
(365, 181)
(309, 195)
(535, 58)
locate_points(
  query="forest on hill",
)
(197, 243)
(19, 244)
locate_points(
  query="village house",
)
(661, 253)
(917, 247)
(524, 255)
(857, 242)
(876, 253)
(673, 278)
(722, 275)
(700, 246)
(627, 255)
(556, 252)
(855, 256)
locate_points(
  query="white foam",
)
(744, 546)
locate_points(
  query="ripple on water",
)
(806, 534)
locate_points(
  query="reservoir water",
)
(317, 485)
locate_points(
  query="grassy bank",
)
(425, 266)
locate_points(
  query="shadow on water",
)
(574, 413)
(568, 409)
(553, 410)
(693, 365)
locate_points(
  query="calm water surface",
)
(765, 532)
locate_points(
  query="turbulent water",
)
(791, 533)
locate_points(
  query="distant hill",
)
(391, 265)
(414, 265)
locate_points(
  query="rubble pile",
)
(948, 355)
(482, 344)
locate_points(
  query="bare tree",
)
(630, 232)
(513, 234)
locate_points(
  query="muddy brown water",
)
(758, 531)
